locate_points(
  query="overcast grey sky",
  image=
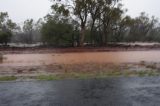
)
(20, 10)
(135, 7)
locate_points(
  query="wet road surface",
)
(105, 92)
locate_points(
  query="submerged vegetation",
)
(97, 75)
(79, 71)
(8, 78)
(83, 75)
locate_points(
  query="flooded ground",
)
(103, 92)
(80, 58)
(123, 43)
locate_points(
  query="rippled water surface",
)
(103, 92)
(74, 58)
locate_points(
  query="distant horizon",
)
(20, 10)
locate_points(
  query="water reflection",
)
(89, 93)
(105, 92)
(94, 89)
(97, 92)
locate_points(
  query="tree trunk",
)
(103, 39)
(91, 33)
(104, 35)
(82, 36)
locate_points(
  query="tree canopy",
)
(83, 22)
(6, 28)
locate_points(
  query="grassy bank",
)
(83, 75)
(97, 75)
(8, 78)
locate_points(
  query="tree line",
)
(80, 23)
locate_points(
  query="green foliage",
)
(79, 22)
(142, 28)
(3, 18)
(8, 78)
(96, 75)
(5, 37)
(28, 25)
(101, 14)
(47, 77)
(6, 28)
(57, 33)
(28, 30)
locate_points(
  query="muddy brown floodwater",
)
(78, 58)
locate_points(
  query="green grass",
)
(47, 77)
(142, 73)
(8, 78)
(89, 75)
(64, 76)
(97, 75)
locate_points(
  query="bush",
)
(5, 37)
(57, 33)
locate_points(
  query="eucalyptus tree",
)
(37, 30)
(142, 28)
(95, 10)
(81, 10)
(111, 11)
(78, 10)
(28, 30)
(7, 27)
(57, 32)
